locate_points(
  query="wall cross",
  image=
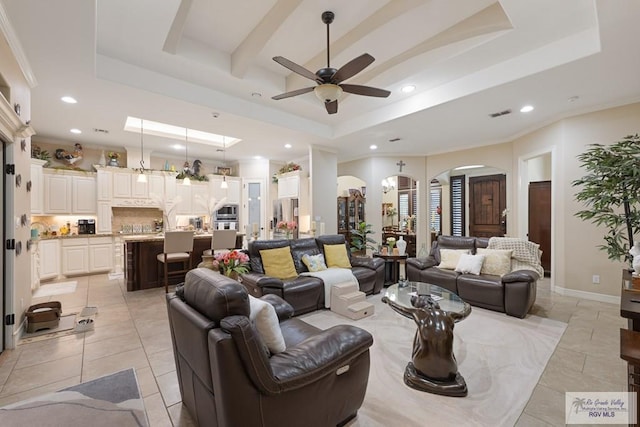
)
(401, 164)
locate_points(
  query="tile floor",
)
(132, 329)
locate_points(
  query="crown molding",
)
(14, 44)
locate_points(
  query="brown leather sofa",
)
(227, 379)
(514, 293)
(306, 293)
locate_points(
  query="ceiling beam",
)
(174, 36)
(256, 40)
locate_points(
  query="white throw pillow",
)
(470, 264)
(265, 320)
(449, 258)
(497, 261)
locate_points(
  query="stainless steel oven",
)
(227, 213)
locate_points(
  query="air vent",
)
(394, 140)
(501, 113)
(100, 130)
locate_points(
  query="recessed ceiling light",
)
(69, 100)
(287, 145)
(373, 147)
(408, 88)
(526, 109)
(177, 147)
(469, 167)
(76, 131)
(257, 157)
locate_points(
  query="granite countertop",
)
(74, 236)
(155, 237)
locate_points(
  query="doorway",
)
(540, 220)
(254, 209)
(487, 204)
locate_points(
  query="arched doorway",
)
(400, 210)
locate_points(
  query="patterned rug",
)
(112, 400)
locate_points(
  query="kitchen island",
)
(141, 265)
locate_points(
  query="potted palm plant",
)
(610, 191)
(360, 240)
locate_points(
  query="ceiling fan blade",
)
(332, 107)
(298, 69)
(293, 93)
(352, 68)
(365, 90)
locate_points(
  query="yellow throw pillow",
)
(449, 258)
(497, 262)
(336, 256)
(278, 263)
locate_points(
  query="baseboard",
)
(593, 296)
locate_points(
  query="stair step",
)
(359, 306)
(353, 297)
(344, 288)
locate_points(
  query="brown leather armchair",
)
(227, 379)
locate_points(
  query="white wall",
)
(323, 183)
(539, 168)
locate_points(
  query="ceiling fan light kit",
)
(329, 79)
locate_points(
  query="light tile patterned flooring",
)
(132, 330)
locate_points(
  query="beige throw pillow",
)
(265, 320)
(497, 262)
(470, 264)
(449, 258)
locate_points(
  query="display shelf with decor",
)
(351, 212)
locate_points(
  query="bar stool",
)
(222, 239)
(178, 246)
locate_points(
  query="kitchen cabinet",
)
(103, 223)
(69, 194)
(189, 204)
(57, 194)
(100, 254)
(37, 186)
(83, 200)
(122, 184)
(104, 185)
(233, 192)
(49, 254)
(289, 185)
(139, 190)
(156, 185)
(75, 257)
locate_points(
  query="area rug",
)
(500, 357)
(65, 327)
(113, 400)
(55, 289)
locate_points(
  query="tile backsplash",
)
(140, 220)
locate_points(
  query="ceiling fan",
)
(329, 80)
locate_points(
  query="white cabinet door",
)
(57, 194)
(170, 187)
(201, 190)
(75, 260)
(234, 192)
(139, 190)
(104, 185)
(84, 195)
(104, 218)
(184, 192)
(37, 183)
(49, 259)
(215, 190)
(122, 184)
(156, 185)
(100, 258)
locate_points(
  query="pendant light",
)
(142, 178)
(224, 184)
(185, 168)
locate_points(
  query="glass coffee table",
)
(433, 367)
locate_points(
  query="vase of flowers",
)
(113, 158)
(288, 227)
(391, 242)
(233, 264)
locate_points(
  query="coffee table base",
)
(456, 387)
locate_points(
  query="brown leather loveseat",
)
(227, 378)
(306, 293)
(513, 293)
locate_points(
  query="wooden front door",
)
(540, 220)
(487, 201)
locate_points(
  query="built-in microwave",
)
(227, 213)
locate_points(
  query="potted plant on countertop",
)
(611, 191)
(360, 240)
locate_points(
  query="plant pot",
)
(207, 262)
(114, 162)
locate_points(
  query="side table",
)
(392, 267)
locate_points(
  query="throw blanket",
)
(525, 256)
(332, 276)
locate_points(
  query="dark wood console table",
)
(630, 337)
(392, 267)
